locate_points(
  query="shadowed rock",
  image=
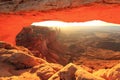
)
(43, 43)
(18, 56)
(43, 5)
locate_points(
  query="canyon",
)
(35, 53)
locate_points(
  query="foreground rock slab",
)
(18, 63)
(74, 72)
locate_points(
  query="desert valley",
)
(59, 40)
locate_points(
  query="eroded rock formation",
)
(109, 74)
(18, 63)
(111, 1)
(74, 72)
(42, 42)
(104, 54)
(43, 5)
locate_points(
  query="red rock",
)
(113, 73)
(112, 1)
(26, 5)
(109, 74)
(24, 76)
(44, 71)
(18, 56)
(18, 63)
(84, 75)
(21, 60)
(21, 5)
(66, 73)
(42, 41)
(104, 54)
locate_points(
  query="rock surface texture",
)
(42, 42)
(43, 5)
(74, 72)
(18, 63)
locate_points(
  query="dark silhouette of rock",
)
(43, 43)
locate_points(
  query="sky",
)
(72, 26)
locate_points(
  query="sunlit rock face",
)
(18, 63)
(90, 38)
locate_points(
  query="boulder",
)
(18, 63)
(20, 57)
(22, 60)
(45, 71)
(74, 72)
(66, 73)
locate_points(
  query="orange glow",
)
(11, 24)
